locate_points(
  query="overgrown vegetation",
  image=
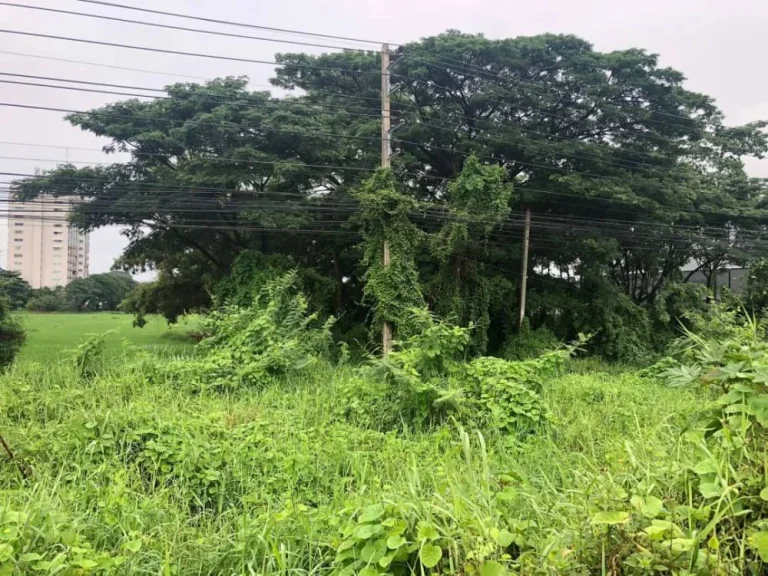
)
(271, 452)
(473, 448)
(624, 192)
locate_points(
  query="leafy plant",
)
(12, 334)
(88, 357)
(248, 346)
(385, 539)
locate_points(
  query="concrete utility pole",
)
(386, 334)
(524, 268)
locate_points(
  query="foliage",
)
(14, 288)
(478, 202)
(529, 343)
(98, 292)
(252, 270)
(47, 300)
(172, 295)
(12, 335)
(392, 290)
(380, 539)
(429, 372)
(132, 474)
(645, 194)
(88, 357)
(273, 337)
(729, 357)
(757, 287)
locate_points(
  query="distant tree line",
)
(99, 292)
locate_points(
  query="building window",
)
(57, 232)
(58, 225)
(18, 240)
(18, 255)
(19, 224)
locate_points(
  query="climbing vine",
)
(478, 200)
(392, 291)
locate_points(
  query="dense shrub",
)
(15, 288)
(12, 335)
(431, 376)
(529, 343)
(248, 346)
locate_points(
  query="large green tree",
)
(628, 174)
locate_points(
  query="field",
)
(51, 336)
(122, 466)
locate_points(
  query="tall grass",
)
(131, 474)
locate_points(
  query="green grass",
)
(131, 469)
(125, 464)
(50, 336)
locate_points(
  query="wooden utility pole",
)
(386, 333)
(524, 268)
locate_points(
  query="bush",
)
(529, 343)
(433, 381)
(12, 335)
(248, 346)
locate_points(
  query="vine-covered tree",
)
(628, 174)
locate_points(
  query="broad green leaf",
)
(365, 531)
(430, 555)
(764, 494)
(346, 544)
(759, 541)
(30, 557)
(652, 507)
(505, 538)
(492, 568)
(427, 531)
(394, 542)
(6, 551)
(133, 545)
(85, 563)
(372, 513)
(710, 489)
(368, 571)
(705, 467)
(679, 545)
(610, 518)
(373, 551)
(386, 560)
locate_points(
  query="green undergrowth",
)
(266, 451)
(128, 473)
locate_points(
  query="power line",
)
(496, 160)
(182, 53)
(268, 103)
(240, 24)
(188, 122)
(180, 28)
(536, 144)
(477, 70)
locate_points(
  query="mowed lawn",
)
(52, 336)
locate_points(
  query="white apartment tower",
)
(42, 246)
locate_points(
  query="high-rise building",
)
(42, 246)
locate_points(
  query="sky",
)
(718, 45)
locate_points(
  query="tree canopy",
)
(629, 175)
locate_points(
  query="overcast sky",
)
(718, 45)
